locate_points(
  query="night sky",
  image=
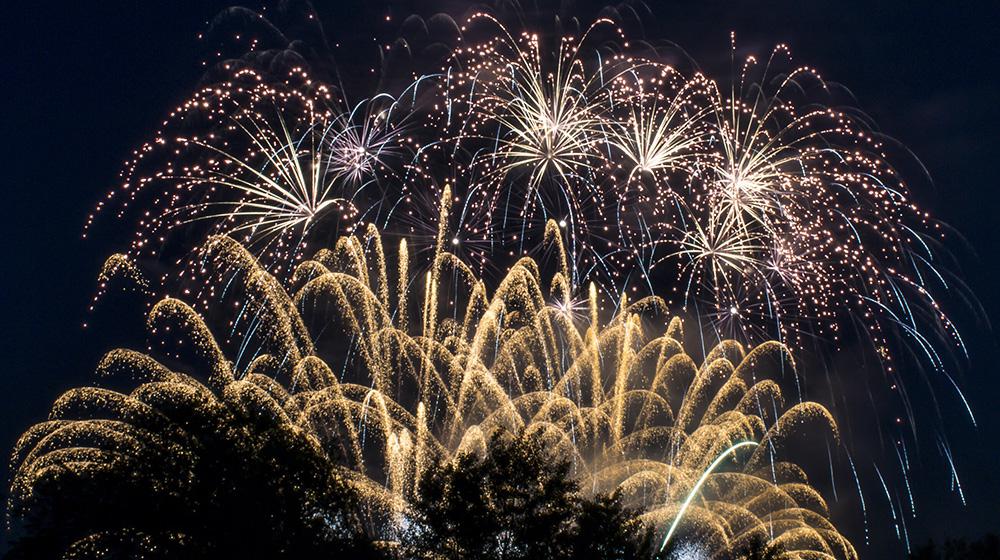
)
(83, 83)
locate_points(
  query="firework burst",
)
(262, 162)
(754, 204)
(798, 210)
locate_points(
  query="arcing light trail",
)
(697, 486)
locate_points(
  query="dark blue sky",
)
(83, 83)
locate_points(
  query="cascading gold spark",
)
(392, 392)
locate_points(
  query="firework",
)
(261, 162)
(426, 376)
(762, 208)
(800, 212)
(753, 204)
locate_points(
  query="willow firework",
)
(395, 381)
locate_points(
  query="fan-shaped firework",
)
(412, 379)
(265, 162)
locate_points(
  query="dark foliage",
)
(517, 502)
(198, 474)
(986, 548)
(243, 483)
(604, 529)
(759, 548)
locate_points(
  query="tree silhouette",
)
(177, 470)
(758, 548)
(986, 548)
(517, 502)
(604, 529)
